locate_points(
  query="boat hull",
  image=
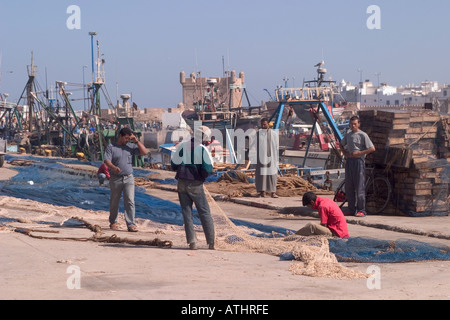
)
(297, 157)
(244, 123)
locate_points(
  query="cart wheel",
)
(378, 195)
(340, 196)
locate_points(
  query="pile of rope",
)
(234, 177)
(237, 184)
(288, 186)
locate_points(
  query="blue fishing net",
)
(369, 250)
(48, 181)
(365, 249)
(54, 183)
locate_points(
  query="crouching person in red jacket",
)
(332, 220)
(103, 174)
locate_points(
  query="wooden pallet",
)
(415, 146)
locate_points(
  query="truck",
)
(2, 151)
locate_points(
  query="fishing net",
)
(311, 254)
(49, 185)
(56, 185)
(364, 249)
(51, 181)
(236, 184)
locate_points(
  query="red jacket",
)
(104, 169)
(331, 216)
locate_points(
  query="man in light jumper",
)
(119, 159)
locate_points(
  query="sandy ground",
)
(34, 268)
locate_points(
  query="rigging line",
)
(107, 96)
(252, 96)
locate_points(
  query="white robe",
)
(266, 175)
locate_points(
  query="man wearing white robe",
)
(266, 175)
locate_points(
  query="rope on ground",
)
(97, 237)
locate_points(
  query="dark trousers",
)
(355, 185)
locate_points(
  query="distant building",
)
(228, 90)
(132, 110)
(428, 93)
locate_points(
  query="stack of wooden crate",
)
(444, 139)
(415, 148)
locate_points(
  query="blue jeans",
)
(119, 185)
(189, 193)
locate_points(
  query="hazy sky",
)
(147, 43)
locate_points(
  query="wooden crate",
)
(415, 145)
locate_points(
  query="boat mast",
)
(30, 86)
(97, 82)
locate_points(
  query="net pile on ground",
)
(312, 255)
(237, 184)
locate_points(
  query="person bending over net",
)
(332, 220)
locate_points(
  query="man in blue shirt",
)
(119, 159)
(193, 164)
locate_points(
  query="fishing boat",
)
(313, 90)
(317, 106)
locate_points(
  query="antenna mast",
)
(32, 70)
